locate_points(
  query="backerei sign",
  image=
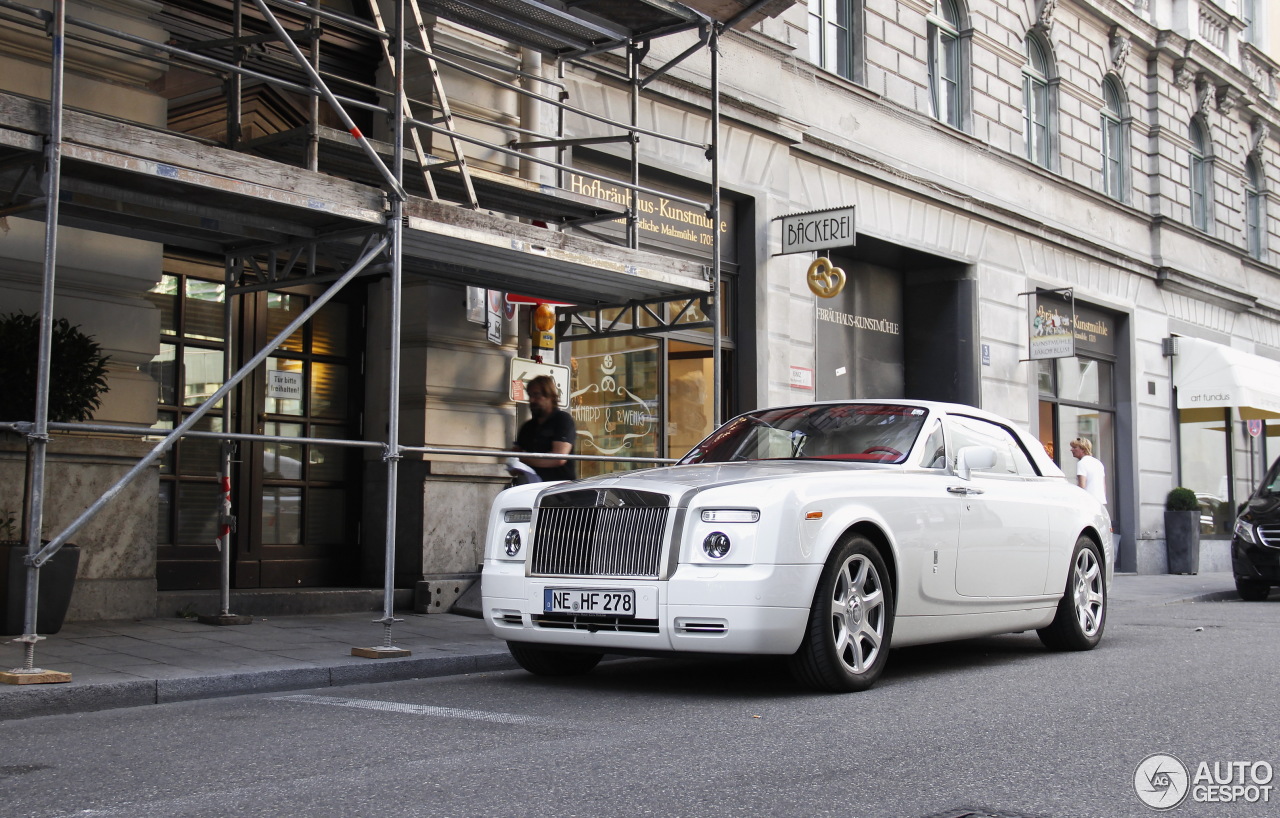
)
(818, 230)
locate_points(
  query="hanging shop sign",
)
(1051, 317)
(818, 230)
(825, 279)
(524, 370)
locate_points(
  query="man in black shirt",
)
(550, 430)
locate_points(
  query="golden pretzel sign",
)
(825, 281)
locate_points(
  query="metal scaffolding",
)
(379, 219)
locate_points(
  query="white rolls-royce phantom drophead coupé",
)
(824, 533)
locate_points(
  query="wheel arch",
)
(1092, 533)
(880, 540)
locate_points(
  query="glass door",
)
(1076, 401)
(303, 498)
(297, 505)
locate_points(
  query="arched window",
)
(1200, 177)
(834, 27)
(1115, 144)
(1255, 208)
(1036, 101)
(946, 65)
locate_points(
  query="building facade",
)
(1099, 171)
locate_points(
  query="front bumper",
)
(750, 609)
(1257, 562)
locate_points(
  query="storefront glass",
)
(690, 388)
(1066, 386)
(614, 400)
(1204, 442)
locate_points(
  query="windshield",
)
(873, 433)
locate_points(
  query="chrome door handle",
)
(963, 490)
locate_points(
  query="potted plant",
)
(1182, 531)
(77, 381)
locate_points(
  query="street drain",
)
(980, 812)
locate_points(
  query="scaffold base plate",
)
(224, 619)
(43, 677)
(381, 653)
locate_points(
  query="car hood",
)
(1264, 509)
(707, 474)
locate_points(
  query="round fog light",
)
(716, 545)
(513, 542)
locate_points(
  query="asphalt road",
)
(995, 726)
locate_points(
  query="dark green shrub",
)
(77, 373)
(1181, 499)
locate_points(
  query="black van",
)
(1255, 545)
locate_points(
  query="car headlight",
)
(716, 545)
(730, 515)
(512, 542)
(1244, 530)
(517, 515)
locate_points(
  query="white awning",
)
(1210, 375)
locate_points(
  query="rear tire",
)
(846, 644)
(542, 661)
(1253, 590)
(1082, 611)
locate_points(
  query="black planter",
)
(1182, 541)
(57, 580)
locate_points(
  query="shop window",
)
(642, 396)
(1077, 401)
(613, 398)
(1204, 443)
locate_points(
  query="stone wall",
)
(116, 578)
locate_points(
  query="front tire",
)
(1252, 590)
(551, 662)
(846, 644)
(1082, 611)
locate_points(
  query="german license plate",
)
(598, 601)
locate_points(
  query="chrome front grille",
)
(1269, 535)
(599, 533)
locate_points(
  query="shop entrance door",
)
(297, 505)
(302, 499)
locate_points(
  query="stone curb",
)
(50, 700)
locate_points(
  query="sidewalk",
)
(155, 661)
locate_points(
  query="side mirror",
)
(974, 458)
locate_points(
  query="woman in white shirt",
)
(1091, 475)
